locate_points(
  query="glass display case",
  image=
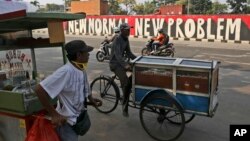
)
(18, 77)
(193, 82)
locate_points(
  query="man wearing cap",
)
(70, 85)
(119, 66)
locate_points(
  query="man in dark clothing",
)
(109, 41)
(119, 66)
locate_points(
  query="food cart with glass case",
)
(168, 91)
(193, 82)
(182, 87)
(21, 69)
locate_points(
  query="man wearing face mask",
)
(70, 85)
(119, 66)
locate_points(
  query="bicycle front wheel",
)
(106, 90)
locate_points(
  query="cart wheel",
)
(154, 114)
(106, 90)
(188, 118)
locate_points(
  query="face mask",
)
(81, 66)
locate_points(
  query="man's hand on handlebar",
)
(128, 67)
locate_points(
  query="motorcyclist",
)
(161, 39)
(107, 46)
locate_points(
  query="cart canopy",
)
(19, 21)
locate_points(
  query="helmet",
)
(160, 30)
(116, 30)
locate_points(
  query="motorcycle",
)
(103, 54)
(164, 50)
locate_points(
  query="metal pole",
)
(33, 58)
(64, 6)
(188, 7)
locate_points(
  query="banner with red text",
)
(212, 27)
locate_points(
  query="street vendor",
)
(70, 85)
(119, 66)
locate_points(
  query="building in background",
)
(90, 7)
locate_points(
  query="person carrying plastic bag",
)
(70, 85)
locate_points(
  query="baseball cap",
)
(125, 26)
(77, 46)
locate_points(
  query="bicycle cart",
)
(168, 91)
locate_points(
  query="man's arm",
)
(96, 102)
(113, 38)
(43, 96)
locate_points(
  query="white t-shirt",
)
(70, 86)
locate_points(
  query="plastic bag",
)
(42, 130)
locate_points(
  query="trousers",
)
(66, 133)
(126, 84)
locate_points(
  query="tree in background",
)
(238, 6)
(129, 5)
(52, 8)
(67, 4)
(35, 3)
(144, 8)
(115, 8)
(184, 2)
(164, 2)
(200, 6)
(181, 2)
(218, 8)
(139, 9)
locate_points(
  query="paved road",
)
(234, 95)
(232, 56)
